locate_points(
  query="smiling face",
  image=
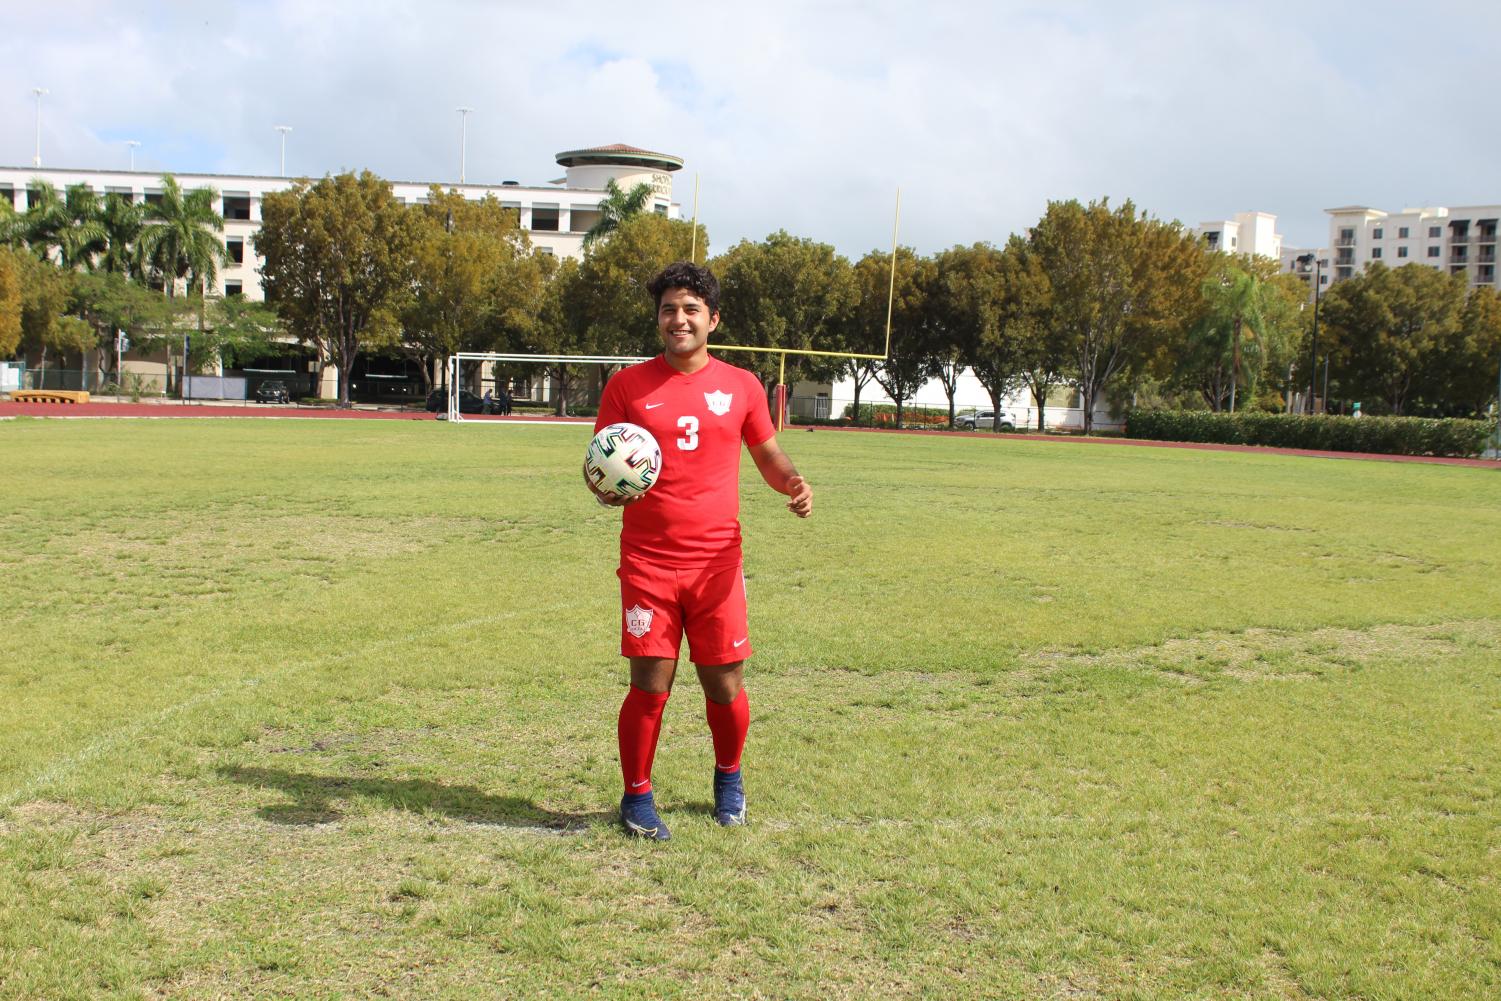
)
(685, 321)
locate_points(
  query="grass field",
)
(327, 709)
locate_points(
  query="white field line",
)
(114, 738)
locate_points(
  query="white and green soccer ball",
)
(623, 460)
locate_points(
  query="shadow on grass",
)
(314, 796)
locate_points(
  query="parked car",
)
(437, 402)
(984, 419)
(272, 391)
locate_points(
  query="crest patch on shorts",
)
(638, 621)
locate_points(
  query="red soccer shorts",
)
(659, 604)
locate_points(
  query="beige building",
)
(1458, 240)
(555, 215)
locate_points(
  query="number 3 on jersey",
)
(690, 427)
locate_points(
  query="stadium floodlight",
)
(464, 114)
(36, 161)
(132, 143)
(283, 129)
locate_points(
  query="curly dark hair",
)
(694, 277)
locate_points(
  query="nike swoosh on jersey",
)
(652, 406)
(741, 643)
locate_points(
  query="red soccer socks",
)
(728, 724)
(639, 727)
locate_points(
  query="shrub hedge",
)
(1384, 435)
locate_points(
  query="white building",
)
(1457, 240)
(1252, 233)
(556, 215)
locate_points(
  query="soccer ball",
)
(623, 460)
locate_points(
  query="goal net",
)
(483, 385)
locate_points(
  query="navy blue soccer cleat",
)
(638, 815)
(729, 798)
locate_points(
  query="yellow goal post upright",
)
(780, 399)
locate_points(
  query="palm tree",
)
(123, 221)
(1226, 342)
(180, 239)
(616, 207)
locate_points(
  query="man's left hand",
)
(799, 497)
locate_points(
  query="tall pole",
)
(132, 143)
(284, 129)
(1313, 358)
(464, 114)
(693, 244)
(36, 161)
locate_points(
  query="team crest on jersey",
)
(638, 621)
(719, 402)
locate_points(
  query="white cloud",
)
(798, 116)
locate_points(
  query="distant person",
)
(680, 564)
(505, 402)
(489, 402)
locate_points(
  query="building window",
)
(1323, 279)
(1401, 251)
(545, 250)
(661, 209)
(544, 220)
(1375, 253)
(153, 197)
(237, 207)
(1432, 251)
(233, 288)
(8, 195)
(1434, 232)
(1379, 233)
(1401, 232)
(236, 248)
(1233, 241)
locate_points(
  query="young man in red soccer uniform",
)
(680, 566)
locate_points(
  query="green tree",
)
(108, 302)
(63, 227)
(181, 237)
(466, 294)
(992, 302)
(1472, 372)
(10, 302)
(613, 279)
(910, 359)
(45, 326)
(563, 328)
(1390, 329)
(784, 292)
(1122, 284)
(616, 207)
(338, 264)
(122, 222)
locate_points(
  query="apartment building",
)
(1458, 240)
(1244, 233)
(556, 214)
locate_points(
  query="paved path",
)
(189, 410)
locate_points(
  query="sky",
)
(806, 117)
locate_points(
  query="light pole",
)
(36, 161)
(284, 129)
(464, 114)
(1313, 355)
(132, 143)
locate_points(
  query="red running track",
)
(189, 410)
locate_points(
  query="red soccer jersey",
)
(691, 516)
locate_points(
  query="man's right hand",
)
(607, 499)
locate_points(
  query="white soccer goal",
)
(487, 362)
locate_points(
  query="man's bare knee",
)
(653, 674)
(722, 682)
